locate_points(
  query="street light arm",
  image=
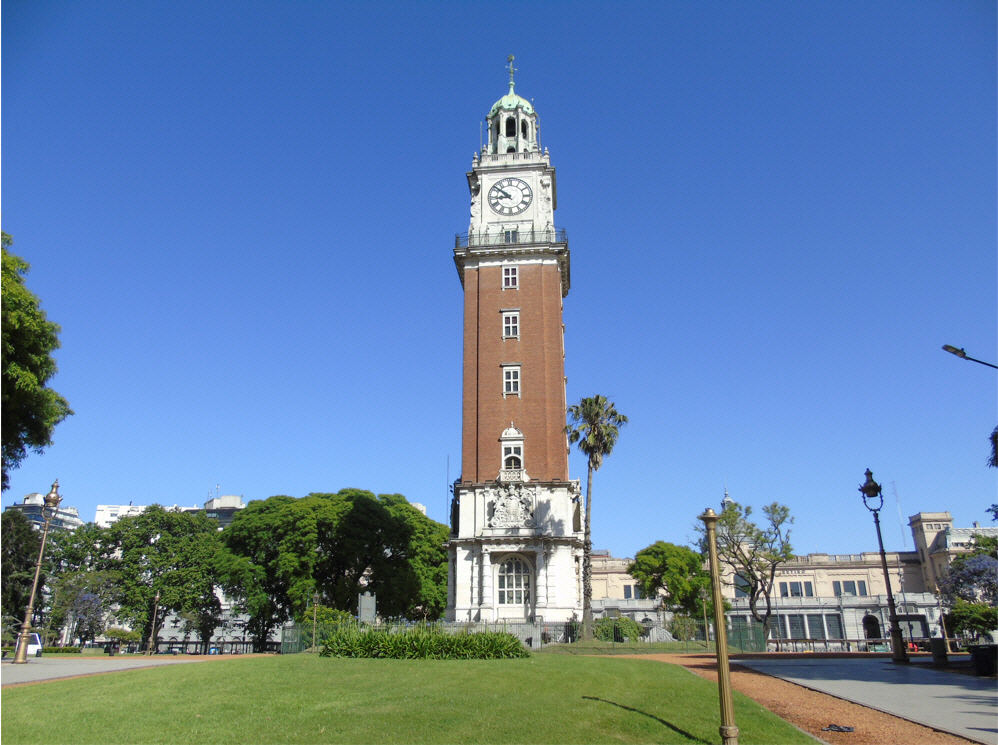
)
(962, 354)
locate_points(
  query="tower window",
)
(511, 149)
(510, 236)
(510, 380)
(510, 278)
(512, 457)
(523, 129)
(510, 127)
(511, 324)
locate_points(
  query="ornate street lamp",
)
(962, 354)
(873, 500)
(52, 500)
(728, 729)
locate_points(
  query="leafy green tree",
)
(973, 618)
(19, 544)
(594, 424)
(31, 409)
(80, 600)
(170, 553)
(753, 552)
(676, 570)
(281, 550)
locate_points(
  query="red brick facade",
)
(539, 411)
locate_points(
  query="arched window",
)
(523, 129)
(514, 582)
(512, 457)
(510, 126)
(511, 149)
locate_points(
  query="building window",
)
(510, 278)
(742, 587)
(510, 236)
(512, 457)
(511, 324)
(510, 127)
(796, 590)
(514, 582)
(834, 623)
(815, 628)
(627, 592)
(523, 129)
(848, 587)
(796, 622)
(510, 380)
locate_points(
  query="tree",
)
(31, 409)
(169, 553)
(976, 618)
(676, 570)
(594, 423)
(280, 551)
(19, 544)
(753, 553)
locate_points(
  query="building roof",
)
(511, 102)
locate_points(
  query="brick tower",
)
(515, 548)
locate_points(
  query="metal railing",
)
(510, 238)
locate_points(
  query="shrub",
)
(617, 629)
(421, 642)
(61, 650)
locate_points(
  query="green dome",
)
(511, 102)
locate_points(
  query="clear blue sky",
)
(243, 214)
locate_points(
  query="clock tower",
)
(516, 543)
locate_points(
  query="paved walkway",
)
(67, 666)
(962, 705)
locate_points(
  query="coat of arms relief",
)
(511, 506)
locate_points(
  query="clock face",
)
(510, 196)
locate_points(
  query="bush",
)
(421, 642)
(617, 629)
(61, 650)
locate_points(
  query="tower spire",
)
(511, 69)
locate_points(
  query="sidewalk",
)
(68, 666)
(961, 705)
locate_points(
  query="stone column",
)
(488, 596)
(541, 580)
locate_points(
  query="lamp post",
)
(873, 500)
(152, 631)
(728, 730)
(706, 627)
(52, 500)
(315, 616)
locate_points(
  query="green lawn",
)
(309, 699)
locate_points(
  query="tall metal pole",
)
(52, 500)
(728, 729)
(871, 490)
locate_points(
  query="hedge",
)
(421, 643)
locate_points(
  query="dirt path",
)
(811, 711)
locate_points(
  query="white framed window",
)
(510, 278)
(511, 324)
(512, 457)
(510, 236)
(510, 380)
(513, 584)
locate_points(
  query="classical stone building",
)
(516, 537)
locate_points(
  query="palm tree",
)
(595, 424)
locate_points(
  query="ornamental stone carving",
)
(511, 506)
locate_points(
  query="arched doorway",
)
(871, 627)
(514, 591)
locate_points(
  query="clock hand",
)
(505, 194)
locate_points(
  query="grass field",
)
(307, 699)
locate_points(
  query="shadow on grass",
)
(671, 726)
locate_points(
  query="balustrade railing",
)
(510, 237)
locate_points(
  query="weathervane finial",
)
(512, 69)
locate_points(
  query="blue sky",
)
(242, 216)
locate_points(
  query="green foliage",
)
(676, 570)
(31, 409)
(281, 550)
(116, 633)
(753, 552)
(19, 544)
(62, 650)
(684, 628)
(617, 629)
(421, 642)
(976, 618)
(594, 423)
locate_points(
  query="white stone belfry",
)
(515, 551)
